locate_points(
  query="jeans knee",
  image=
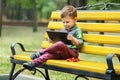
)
(60, 43)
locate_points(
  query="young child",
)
(59, 50)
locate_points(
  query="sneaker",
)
(29, 65)
(35, 55)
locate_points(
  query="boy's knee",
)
(60, 43)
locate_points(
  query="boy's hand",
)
(70, 37)
(73, 39)
(49, 40)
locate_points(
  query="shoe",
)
(35, 55)
(29, 65)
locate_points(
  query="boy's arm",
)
(73, 39)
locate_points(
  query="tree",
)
(77, 3)
(34, 16)
(0, 17)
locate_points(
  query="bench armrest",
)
(21, 47)
(110, 62)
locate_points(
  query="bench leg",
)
(13, 77)
(81, 76)
(12, 71)
(17, 73)
(47, 74)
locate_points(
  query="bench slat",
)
(96, 38)
(105, 39)
(95, 27)
(81, 65)
(92, 15)
(100, 50)
(23, 57)
(92, 49)
(45, 44)
(55, 25)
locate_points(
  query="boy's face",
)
(69, 22)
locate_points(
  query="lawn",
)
(31, 41)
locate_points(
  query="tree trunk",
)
(77, 3)
(34, 16)
(18, 11)
(0, 17)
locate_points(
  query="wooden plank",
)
(22, 57)
(99, 39)
(92, 15)
(80, 65)
(105, 39)
(99, 50)
(91, 49)
(95, 27)
(83, 65)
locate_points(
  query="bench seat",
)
(80, 65)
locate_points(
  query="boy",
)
(59, 50)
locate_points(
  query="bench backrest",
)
(92, 15)
(94, 22)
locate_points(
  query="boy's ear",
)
(75, 18)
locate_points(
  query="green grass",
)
(31, 41)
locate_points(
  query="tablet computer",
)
(59, 36)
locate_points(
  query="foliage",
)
(103, 2)
(16, 3)
(46, 6)
(23, 9)
(45, 9)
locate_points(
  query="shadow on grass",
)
(20, 77)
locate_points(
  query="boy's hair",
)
(69, 11)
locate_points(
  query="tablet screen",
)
(59, 36)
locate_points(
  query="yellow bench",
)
(109, 23)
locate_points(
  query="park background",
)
(25, 21)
